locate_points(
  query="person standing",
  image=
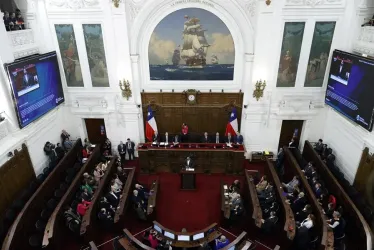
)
(130, 148)
(122, 152)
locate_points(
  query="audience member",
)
(143, 192)
(107, 147)
(330, 210)
(176, 140)
(318, 190)
(269, 223)
(235, 186)
(65, 135)
(130, 147)
(292, 185)
(59, 151)
(98, 173)
(166, 138)
(303, 214)
(86, 195)
(262, 184)
(298, 203)
(122, 152)
(308, 222)
(229, 139)
(105, 217)
(113, 198)
(82, 207)
(221, 242)
(337, 224)
(140, 211)
(87, 143)
(319, 146)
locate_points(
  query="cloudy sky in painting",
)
(168, 35)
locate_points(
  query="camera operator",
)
(59, 152)
(49, 151)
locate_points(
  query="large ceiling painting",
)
(191, 44)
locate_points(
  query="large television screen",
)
(350, 88)
(36, 86)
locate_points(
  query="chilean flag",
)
(151, 125)
(232, 125)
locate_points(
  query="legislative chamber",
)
(186, 124)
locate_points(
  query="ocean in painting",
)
(218, 72)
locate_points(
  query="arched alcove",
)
(232, 15)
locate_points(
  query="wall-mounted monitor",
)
(157, 228)
(198, 236)
(169, 235)
(350, 87)
(36, 85)
(184, 237)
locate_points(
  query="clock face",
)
(191, 98)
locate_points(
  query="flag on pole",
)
(151, 125)
(232, 125)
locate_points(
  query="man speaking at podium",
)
(189, 164)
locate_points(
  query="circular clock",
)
(191, 98)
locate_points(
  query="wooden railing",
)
(238, 242)
(257, 212)
(126, 194)
(90, 217)
(327, 238)
(53, 232)
(129, 242)
(358, 229)
(289, 219)
(24, 224)
(152, 199)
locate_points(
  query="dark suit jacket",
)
(293, 145)
(205, 140)
(121, 150)
(269, 223)
(318, 192)
(170, 139)
(29, 80)
(239, 139)
(114, 201)
(132, 146)
(156, 138)
(298, 204)
(191, 165)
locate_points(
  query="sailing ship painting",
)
(191, 44)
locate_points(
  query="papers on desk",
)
(162, 143)
(190, 169)
(229, 145)
(93, 145)
(225, 187)
(154, 143)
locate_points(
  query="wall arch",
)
(231, 14)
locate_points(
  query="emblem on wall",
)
(191, 96)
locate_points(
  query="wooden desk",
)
(53, 233)
(93, 246)
(24, 225)
(288, 215)
(152, 198)
(211, 233)
(238, 242)
(225, 206)
(327, 239)
(357, 228)
(208, 157)
(188, 180)
(90, 217)
(256, 208)
(126, 194)
(129, 242)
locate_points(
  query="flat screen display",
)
(198, 236)
(169, 235)
(184, 237)
(36, 86)
(157, 228)
(350, 87)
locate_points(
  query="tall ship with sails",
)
(176, 56)
(195, 45)
(214, 59)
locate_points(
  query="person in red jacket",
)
(82, 207)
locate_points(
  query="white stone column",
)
(6, 56)
(43, 30)
(136, 87)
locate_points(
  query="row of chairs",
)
(35, 240)
(18, 204)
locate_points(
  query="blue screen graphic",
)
(36, 86)
(350, 87)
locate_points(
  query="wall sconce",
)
(259, 89)
(116, 3)
(245, 106)
(125, 87)
(268, 2)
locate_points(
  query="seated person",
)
(221, 242)
(266, 203)
(143, 192)
(337, 224)
(115, 187)
(217, 139)
(86, 195)
(332, 200)
(303, 214)
(122, 175)
(105, 217)
(236, 200)
(236, 211)
(82, 207)
(262, 184)
(166, 138)
(318, 190)
(136, 198)
(205, 138)
(239, 138)
(269, 223)
(266, 192)
(67, 144)
(151, 237)
(308, 222)
(113, 199)
(118, 181)
(140, 211)
(319, 146)
(98, 174)
(235, 186)
(229, 139)
(323, 200)
(330, 210)
(89, 179)
(89, 188)
(298, 203)
(176, 140)
(86, 152)
(274, 207)
(292, 185)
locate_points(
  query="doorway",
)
(96, 131)
(290, 128)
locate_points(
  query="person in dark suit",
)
(28, 79)
(113, 199)
(318, 190)
(108, 146)
(217, 139)
(189, 163)
(298, 203)
(229, 138)
(279, 163)
(319, 146)
(205, 138)
(130, 148)
(122, 152)
(235, 186)
(239, 138)
(156, 137)
(303, 214)
(293, 143)
(269, 223)
(59, 151)
(330, 210)
(176, 140)
(105, 218)
(166, 138)
(86, 195)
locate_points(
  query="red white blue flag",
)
(232, 125)
(151, 125)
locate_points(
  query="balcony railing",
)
(365, 41)
(23, 43)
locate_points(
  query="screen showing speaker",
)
(169, 235)
(350, 87)
(184, 237)
(198, 236)
(36, 86)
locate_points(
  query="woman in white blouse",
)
(98, 173)
(308, 222)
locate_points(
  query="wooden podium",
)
(188, 180)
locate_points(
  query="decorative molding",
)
(21, 37)
(27, 52)
(4, 129)
(365, 41)
(313, 3)
(73, 4)
(251, 7)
